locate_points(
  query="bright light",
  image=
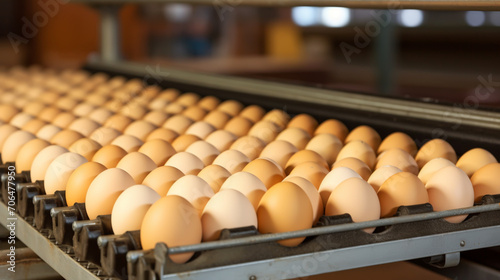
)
(305, 16)
(411, 18)
(335, 16)
(475, 18)
(494, 18)
(177, 12)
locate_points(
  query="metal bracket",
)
(444, 261)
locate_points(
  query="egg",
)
(285, 207)
(169, 94)
(163, 134)
(33, 108)
(226, 209)
(128, 142)
(201, 129)
(333, 179)
(118, 122)
(137, 164)
(360, 150)
(28, 152)
(214, 175)
(158, 150)
(278, 117)
(49, 113)
(296, 136)
(105, 190)
(181, 143)
(173, 221)
(43, 159)
(79, 181)
(398, 158)
(355, 197)
(253, 113)
(186, 162)
(188, 99)
(66, 103)
(398, 140)
(238, 126)
(194, 112)
(269, 172)
(311, 171)
(162, 178)
(250, 146)
(21, 119)
(8, 112)
(221, 139)
(6, 130)
(156, 117)
(66, 138)
(231, 107)
(450, 188)
(312, 193)
(131, 207)
(432, 167)
(366, 134)
(248, 184)
(104, 135)
(63, 119)
(109, 155)
(380, 175)
(474, 159)
(14, 143)
(33, 126)
(280, 151)
(85, 147)
(174, 108)
(304, 156)
(435, 148)
(232, 160)
(47, 132)
(193, 189)
(59, 170)
(326, 145)
(209, 102)
(134, 110)
(140, 129)
(83, 109)
(402, 188)
(305, 122)
(265, 131)
(486, 180)
(355, 164)
(217, 119)
(204, 151)
(178, 123)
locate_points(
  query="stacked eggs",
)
(182, 167)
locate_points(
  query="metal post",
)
(110, 33)
(385, 58)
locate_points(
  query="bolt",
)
(462, 243)
(253, 277)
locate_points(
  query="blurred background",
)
(434, 56)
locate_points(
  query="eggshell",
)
(250, 146)
(174, 108)
(304, 156)
(66, 103)
(217, 119)
(49, 113)
(279, 151)
(63, 119)
(278, 117)
(181, 143)
(118, 122)
(312, 193)
(398, 158)
(43, 159)
(83, 109)
(140, 129)
(209, 102)
(398, 140)
(33, 108)
(279, 211)
(475, 159)
(435, 148)
(248, 184)
(158, 150)
(85, 147)
(366, 134)
(253, 113)
(131, 207)
(128, 142)
(9, 111)
(163, 134)
(265, 131)
(333, 179)
(188, 99)
(173, 221)
(326, 145)
(214, 175)
(162, 178)
(486, 180)
(231, 107)
(226, 209)
(105, 190)
(450, 188)
(380, 175)
(221, 139)
(60, 169)
(238, 126)
(355, 164)
(186, 162)
(432, 167)
(6, 130)
(204, 151)
(66, 138)
(296, 136)
(47, 132)
(200, 129)
(134, 110)
(14, 143)
(169, 94)
(21, 119)
(100, 115)
(360, 150)
(355, 197)
(193, 189)
(178, 123)
(269, 172)
(28, 152)
(402, 188)
(232, 160)
(104, 135)
(194, 112)
(33, 126)
(79, 181)
(305, 122)
(109, 155)
(137, 164)
(156, 117)
(311, 171)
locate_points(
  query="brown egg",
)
(104, 135)
(280, 151)
(232, 160)
(138, 165)
(312, 193)
(193, 189)
(114, 105)
(249, 145)
(296, 136)
(268, 171)
(311, 171)
(380, 175)
(398, 158)
(66, 138)
(63, 119)
(14, 143)
(66, 103)
(33, 126)
(83, 109)
(486, 180)
(334, 127)
(28, 152)
(5, 131)
(238, 126)
(201, 129)
(366, 134)
(49, 113)
(333, 179)
(221, 139)
(43, 159)
(186, 162)
(174, 108)
(84, 126)
(474, 160)
(96, 99)
(304, 156)
(326, 145)
(100, 115)
(48, 97)
(134, 110)
(162, 178)
(118, 122)
(231, 107)
(59, 170)
(21, 119)
(163, 134)
(109, 155)
(169, 94)
(253, 112)
(360, 150)
(158, 150)
(79, 181)
(140, 129)
(181, 143)
(265, 131)
(305, 122)
(48, 131)
(194, 112)
(204, 151)
(435, 148)
(217, 119)
(398, 140)
(7, 112)
(214, 175)
(209, 103)
(128, 142)
(278, 117)
(248, 184)
(355, 164)
(33, 108)
(85, 147)
(187, 99)
(432, 167)
(156, 117)
(402, 188)
(178, 123)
